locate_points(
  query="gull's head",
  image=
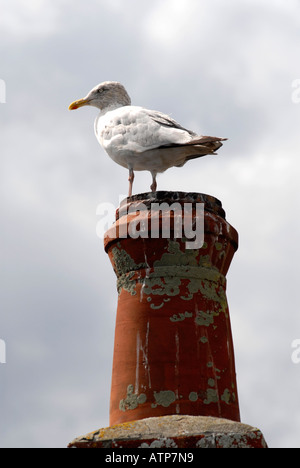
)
(109, 94)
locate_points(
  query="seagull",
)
(140, 139)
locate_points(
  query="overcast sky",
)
(220, 68)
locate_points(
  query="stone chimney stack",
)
(173, 377)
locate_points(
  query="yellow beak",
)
(79, 103)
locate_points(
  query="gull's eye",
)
(101, 90)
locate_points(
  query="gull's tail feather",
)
(203, 140)
(201, 146)
(177, 154)
(207, 143)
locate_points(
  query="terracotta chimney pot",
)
(173, 351)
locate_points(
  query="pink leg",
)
(154, 183)
(130, 179)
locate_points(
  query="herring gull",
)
(140, 139)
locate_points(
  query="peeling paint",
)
(202, 276)
(181, 316)
(132, 400)
(175, 257)
(210, 289)
(228, 397)
(205, 318)
(160, 306)
(193, 396)
(125, 282)
(200, 279)
(211, 396)
(187, 298)
(208, 441)
(159, 283)
(124, 263)
(211, 382)
(160, 443)
(164, 398)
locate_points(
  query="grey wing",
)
(167, 121)
(205, 144)
(142, 130)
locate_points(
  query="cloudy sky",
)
(223, 68)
